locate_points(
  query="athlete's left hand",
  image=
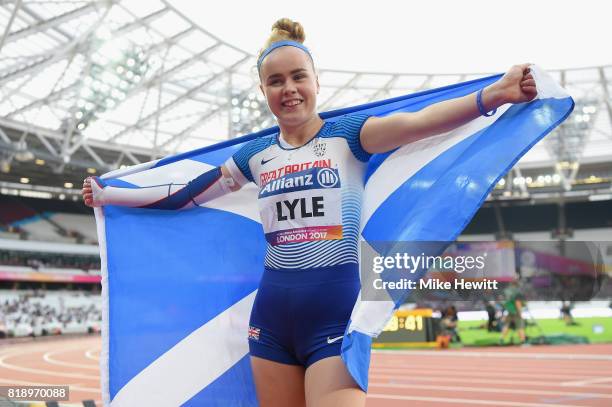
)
(517, 85)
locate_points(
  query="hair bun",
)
(282, 30)
(287, 29)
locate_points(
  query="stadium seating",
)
(35, 313)
(47, 220)
(40, 229)
(83, 224)
(13, 211)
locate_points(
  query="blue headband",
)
(278, 45)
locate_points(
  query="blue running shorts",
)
(299, 317)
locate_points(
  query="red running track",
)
(576, 375)
(62, 362)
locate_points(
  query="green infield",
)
(595, 330)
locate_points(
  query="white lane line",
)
(492, 390)
(477, 373)
(72, 386)
(466, 401)
(501, 369)
(10, 366)
(35, 345)
(93, 354)
(455, 379)
(552, 365)
(48, 357)
(501, 355)
(587, 381)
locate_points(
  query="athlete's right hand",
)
(87, 192)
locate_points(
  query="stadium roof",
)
(100, 84)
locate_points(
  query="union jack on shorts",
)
(254, 333)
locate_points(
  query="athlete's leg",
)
(278, 384)
(505, 329)
(279, 376)
(520, 325)
(329, 384)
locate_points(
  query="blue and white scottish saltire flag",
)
(179, 285)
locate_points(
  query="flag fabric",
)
(178, 286)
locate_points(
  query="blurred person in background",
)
(566, 313)
(449, 323)
(494, 323)
(514, 306)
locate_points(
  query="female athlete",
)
(310, 178)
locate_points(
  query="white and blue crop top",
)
(309, 196)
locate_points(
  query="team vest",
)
(309, 196)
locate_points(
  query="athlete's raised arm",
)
(382, 134)
(210, 185)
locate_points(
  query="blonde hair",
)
(284, 29)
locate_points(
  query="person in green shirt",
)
(514, 307)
